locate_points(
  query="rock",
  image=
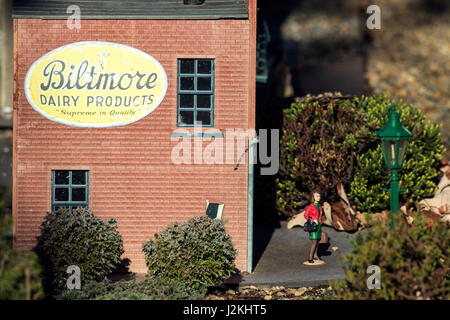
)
(343, 196)
(443, 209)
(432, 217)
(230, 292)
(327, 219)
(446, 218)
(342, 219)
(297, 220)
(409, 220)
(361, 218)
(441, 199)
(275, 288)
(382, 216)
(300, 291)
(291, 291)
(268, 297)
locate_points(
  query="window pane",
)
(61, 194)
(204, 101)
(203, 83)
(78, 177)
(401, 150)
(204, 67)
(186, 117)
(187, 66)
(62, 177)
(186, 101)
(204, 117)
(389, 145)
(78, 194)
(187, 83)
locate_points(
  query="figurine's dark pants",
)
(313, 250)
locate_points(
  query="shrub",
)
(414, 261)
(420, 170)
(20, 272)
(78, 238)
(197, 252)
(330, 139)
(320, 138)
(152, 289)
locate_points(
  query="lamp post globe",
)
(394, 142)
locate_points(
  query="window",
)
(70, 189)
(194, 2)
(195, 92)
(262, 61)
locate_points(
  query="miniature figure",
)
(315, 213)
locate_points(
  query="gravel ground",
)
(271, 293)
(251, 292)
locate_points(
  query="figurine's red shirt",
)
(312, 212)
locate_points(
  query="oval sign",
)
(95, 84)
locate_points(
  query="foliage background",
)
(330, 139)
(414, 261)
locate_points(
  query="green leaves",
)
(329, 139)
(421, 166)
(321, 136)
(151, 289)
(198, 253)
(414, 261)
(78, 238)
(20, 272)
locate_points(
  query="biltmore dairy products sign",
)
(95, 84)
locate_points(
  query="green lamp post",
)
(394, 141)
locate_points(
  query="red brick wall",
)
(132, 178)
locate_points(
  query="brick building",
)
(205, 50)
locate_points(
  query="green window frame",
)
(70, 188)
(195, 101)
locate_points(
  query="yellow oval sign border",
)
(91, 125)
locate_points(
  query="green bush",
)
(20, 272)
(330, 139)
(197, 252)
(152, 289)
(78, 238)
(420, 170)
(320, 139)
(413, 260)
